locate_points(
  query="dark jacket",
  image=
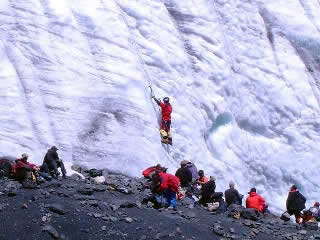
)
(193, 169)
(295, 202)
(208, 189)
(51, 156)
(232, 196)
(184, 175)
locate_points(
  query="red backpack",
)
(146, 173)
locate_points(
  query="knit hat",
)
(231, 184)
(184, 162)
(24, 155)
(252, 190)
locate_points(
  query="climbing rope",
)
(142, 64)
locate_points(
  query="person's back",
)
(184, 175)
(194, 171)
(295, 202)
(208, 188)
(232, 195)
(254, 200)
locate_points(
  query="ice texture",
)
(243, 79)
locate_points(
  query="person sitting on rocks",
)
(27, 173)
(193, 169)
(52, 162)
(184, 175)
(166, 186)
(232, 195)
(202, 178)
(312, 214)
(208, 191)
(147, 173)
(295, 203)
(23, 169)
(254, 200)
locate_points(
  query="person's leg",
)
(52, 165)
(172, 199)
(63, 170)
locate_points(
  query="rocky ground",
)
(76, 208)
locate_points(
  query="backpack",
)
(5, 168)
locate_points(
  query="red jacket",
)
(169, 181)
(20, 165)
(255, 201)
(166, 110)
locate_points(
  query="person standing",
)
(295, 203)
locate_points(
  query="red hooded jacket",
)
(20, 165)
(166, 110)
(255, 201)
(169, 181)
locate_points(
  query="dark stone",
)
(250, 213)
(93, 203)
(85, 191)
(12, 193)
(51, 230)
(56, 208)
(311, 225)
(218, 229)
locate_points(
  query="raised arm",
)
(157, 100)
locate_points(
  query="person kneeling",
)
(166, 187)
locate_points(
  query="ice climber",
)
(254, 200)
(52, 162)
(166, 110)
(295, 203)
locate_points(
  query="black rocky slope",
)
(81, 209)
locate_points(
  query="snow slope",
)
(243, 78)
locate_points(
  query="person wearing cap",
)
(202, 179)
(52, 162)
(184, 174)
(232, 195)
(254, 200)
(166, 110)
(295, 203)
(208, 190)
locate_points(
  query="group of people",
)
(189, 182)
(29, 174)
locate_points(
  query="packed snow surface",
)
(242, 76)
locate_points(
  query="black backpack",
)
(5, 168)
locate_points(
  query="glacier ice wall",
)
(243, 78)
